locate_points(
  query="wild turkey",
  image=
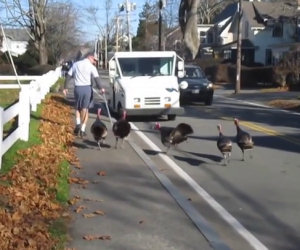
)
(224, 144)
(121, 128)
(99, 130)
(243, 139)
(173, 136)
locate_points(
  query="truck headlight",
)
(168, 102)
(137, 99)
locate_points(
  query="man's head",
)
(92, 57)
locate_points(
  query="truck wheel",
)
(171, 117)
(120, 111)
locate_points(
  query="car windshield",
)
(194, 73)
(153, 66)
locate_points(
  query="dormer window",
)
(278, 30)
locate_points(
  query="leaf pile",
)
(28, 203)
(293, 105)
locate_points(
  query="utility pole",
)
(239, 49)
(117, 34)
(101, 54)
(128, 24)
(128, 6)
(161, 5)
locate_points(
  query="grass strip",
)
(11, 157)
(62, 190)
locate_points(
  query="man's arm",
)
(99, 84)
(67, 83)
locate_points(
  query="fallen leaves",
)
(28, 202)
(79, 209)
(101, 173)
(97, 237)
(78, 180)
(90, 215)
(286, 104)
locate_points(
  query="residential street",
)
(148, 202)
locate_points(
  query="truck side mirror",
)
(180, 69)
(112, 68)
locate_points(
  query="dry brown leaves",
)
(97, 237)
(286, 104)
(27, 205)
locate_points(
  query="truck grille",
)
(151, 101)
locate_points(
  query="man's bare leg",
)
(84, 119)
(78, 122)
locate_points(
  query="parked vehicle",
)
(199, 88)
(66, 65)
(145, 83)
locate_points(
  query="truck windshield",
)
(153, 66)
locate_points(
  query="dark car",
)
(198, 89)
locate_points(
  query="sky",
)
(100, 4)
(93, 32)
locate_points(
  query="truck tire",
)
(120, 111)
(171, 117)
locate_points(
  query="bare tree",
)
(188, 23)
(31, 16)
(207, 9)
(62, 31)
(170, 16)
(93, 16)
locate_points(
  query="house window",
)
(227, 54)
(278, 30)
(268, 60)
(202, 37)
(209, 37)
(246, 30)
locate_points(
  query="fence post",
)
(1, 133)
(24, 114)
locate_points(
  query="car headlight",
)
(137, 99)
(210, 85)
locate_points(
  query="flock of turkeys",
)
(172, 136)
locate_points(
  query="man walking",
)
(83, 73)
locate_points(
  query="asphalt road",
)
(262, 193)
(248, 205)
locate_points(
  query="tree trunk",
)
(43, 52)
(188, 22)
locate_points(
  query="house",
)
(268, 31)
(16, 41)
(173, 39)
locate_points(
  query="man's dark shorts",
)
(83, 95)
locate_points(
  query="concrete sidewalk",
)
(121, 205)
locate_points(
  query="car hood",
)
(196, 82)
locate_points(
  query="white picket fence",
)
(30, 96)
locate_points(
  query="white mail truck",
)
(145, 83)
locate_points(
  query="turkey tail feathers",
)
(184, 129)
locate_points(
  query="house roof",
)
(258, 12)
(17, 34)
(229, 11)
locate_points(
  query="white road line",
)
(236, 225)
(200, 222)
